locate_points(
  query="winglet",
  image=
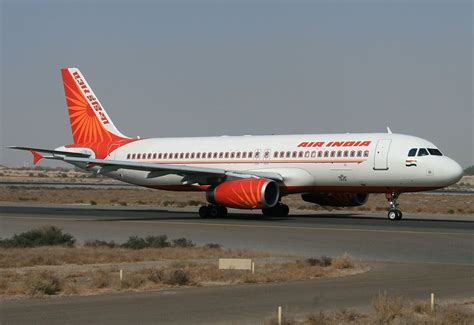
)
(388, 130)
(36, 157)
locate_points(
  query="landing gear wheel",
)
(214, 211)
(286, 210)
(278, 211)
(204, 211)
(222, 212)
(395, 214)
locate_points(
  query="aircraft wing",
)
(191, 174)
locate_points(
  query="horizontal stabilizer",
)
(36, 151)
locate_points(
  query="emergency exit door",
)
(381, 154)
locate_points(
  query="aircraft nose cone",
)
(453, 171)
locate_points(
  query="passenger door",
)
(381, 154)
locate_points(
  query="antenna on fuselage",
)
(388, 130)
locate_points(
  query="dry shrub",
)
(133, 280)
(450, 315)
(43, 283)
(101, 279)
(387, 307)
(320, 318)
(177, 277)
(345, 261)
(155, 276)
(321, 261)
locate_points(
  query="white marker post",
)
(432, 302)
(121, 275)
(253, 267)
(280, 316)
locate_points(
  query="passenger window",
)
(275, 154)
(138, 156)
(221, 155)
(160, 156)
(353, 153)
(215, 155)
(128, 156)
(346, 153)
(359, 153)
(165, 155)
(412, 152)
(250, 154)
(203, 155)
(187, 155)
(366, 153)
(339, 153)
(313, 154)
(149, 156)
(237, 155)
(333, 154)
(232, 155)
(320, 154)
(181, 155)
(422, 152)
(294, 154)
(244, 154)
(226, 155)
(288, 154)
(300, 154)
(176, 155)
(192, 155)
(434, 152)
(282, 154)
(154, 155)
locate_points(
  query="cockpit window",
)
(412, 152)
(422, 152)
(434, 152)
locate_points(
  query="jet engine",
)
(337, 199)
(245, 194)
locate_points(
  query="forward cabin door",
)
(381, 154)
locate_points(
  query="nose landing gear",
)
(393, 213)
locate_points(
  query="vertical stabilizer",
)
(89, 121)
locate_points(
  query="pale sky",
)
(199, 68)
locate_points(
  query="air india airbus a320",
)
(252, 172)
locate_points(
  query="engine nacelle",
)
(245, 194)
(337, 199)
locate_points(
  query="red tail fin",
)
(89, 120)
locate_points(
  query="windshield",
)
(434, 152)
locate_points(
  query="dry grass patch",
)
(388, 309)
(65, 277)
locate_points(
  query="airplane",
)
(251, 172)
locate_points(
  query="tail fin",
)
(90, 123)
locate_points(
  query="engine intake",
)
(245, 194)
(337, 199)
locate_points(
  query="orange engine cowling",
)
(245, 194)
(337, 199)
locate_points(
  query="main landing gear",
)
(393, 213)
(212, 211)
(280, 210)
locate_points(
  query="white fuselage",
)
(360, 162)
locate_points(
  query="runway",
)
(414, 257)
(372, 237)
